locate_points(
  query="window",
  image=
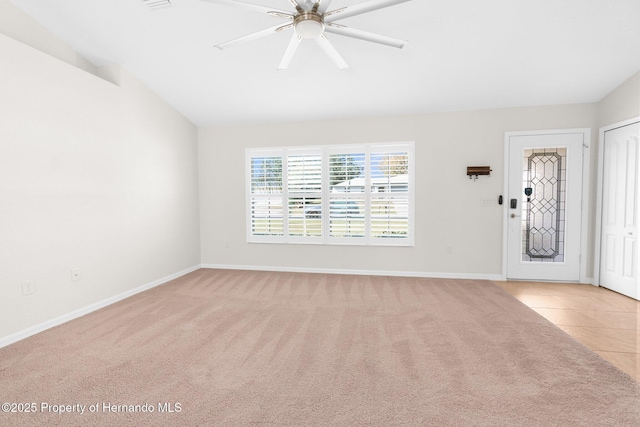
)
(359, 195)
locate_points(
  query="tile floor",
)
(605, 321)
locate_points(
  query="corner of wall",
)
(622, 103)
(111, 73)
(19, 26)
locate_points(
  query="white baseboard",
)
(358, 272)
(10, 339)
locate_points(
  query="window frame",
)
(326, 196)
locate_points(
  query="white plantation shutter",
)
(360, 195)
(390, 201)
(304, 173)
(266, 174)
(389, 217)
(304, 185)
(266, 217)
(347, 205)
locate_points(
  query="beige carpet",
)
(239, 348)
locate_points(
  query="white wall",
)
(622, 103)
(449, 209)
(92, 176)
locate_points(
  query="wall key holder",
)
(475, 171)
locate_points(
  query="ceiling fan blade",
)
(320, 6)
(323, 5)
(254, 7)
(364, 35)
(296, 5)
(253, 36)
(358, 9)
(331, 51)
(291, 50)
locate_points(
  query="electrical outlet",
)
(449, 249)
(75, 274)
(28, 287)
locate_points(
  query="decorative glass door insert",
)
(543, 204)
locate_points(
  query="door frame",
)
(598, 236)
(586, 159)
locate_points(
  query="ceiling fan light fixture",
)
(309, 25)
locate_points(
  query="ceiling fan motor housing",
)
(308, 25)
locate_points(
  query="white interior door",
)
(619, 237)
(543, 205)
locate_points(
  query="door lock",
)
(514, 215)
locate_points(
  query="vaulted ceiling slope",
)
(461, 55)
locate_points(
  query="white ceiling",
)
(462, 54)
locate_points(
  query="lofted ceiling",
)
(461, 55)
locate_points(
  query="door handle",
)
(514, 215)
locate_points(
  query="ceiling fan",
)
(311, 20)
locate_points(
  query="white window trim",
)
(326, 151)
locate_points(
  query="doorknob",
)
(514, 215)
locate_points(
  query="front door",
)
(544, 214)
(619, 237)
